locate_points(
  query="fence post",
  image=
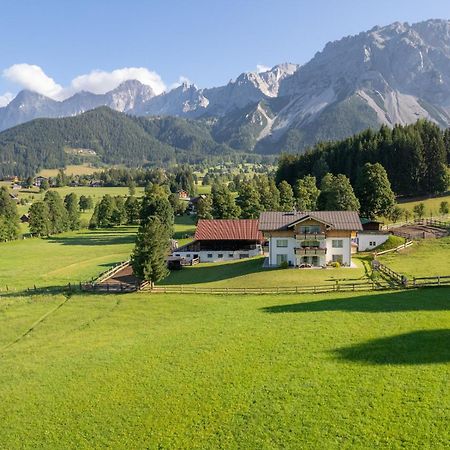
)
(439, 280)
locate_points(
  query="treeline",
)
(372, 196)
(54, 215)
(415, 157)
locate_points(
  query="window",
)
(337, 243)
(188, 255)
(372, 244)
(230, 255)
(281, 259)
(209, 255)
(177, 254)
(220, 255)
(310, 229)
(282, 243)
(310, 244)
(243, 255)
(338, 258)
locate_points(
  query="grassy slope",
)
(142, 371)
(425, 258)
(431, 204)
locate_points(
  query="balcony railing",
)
(310, 251)
(310, 236)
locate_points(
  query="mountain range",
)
(388, 75)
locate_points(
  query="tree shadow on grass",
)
(93, 239)
(418, 347)
(215, 272)
(437, 299)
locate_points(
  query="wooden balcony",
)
(310, 236)
(310, 251)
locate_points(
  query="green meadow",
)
(165, 371)
(146, 370)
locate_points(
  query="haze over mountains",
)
(393, 74)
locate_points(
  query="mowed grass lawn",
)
(166, 371)
(430, 257)
(249, 273)
(60, 259)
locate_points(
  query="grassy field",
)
(60, 259)
(425, 258)
(162, 371)
(80, 169)
(366, 370)
(250, 273)
(431, 204)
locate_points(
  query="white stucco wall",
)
(289, 250)
(370, 240)
(293, 243)
(227, 255)
(345, 251)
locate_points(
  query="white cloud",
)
(262, 68)
(99, 81)
(5, 98)
(32, 77)
(181, 79)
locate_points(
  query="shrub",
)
(284, 265)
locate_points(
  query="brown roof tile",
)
(228, 229)
(339, 220)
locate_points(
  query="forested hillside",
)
(415, 158)
(114, 137)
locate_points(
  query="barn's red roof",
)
(228, 229)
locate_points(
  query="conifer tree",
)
(224, 205)
(132, 208)
(73, 214)
(204, 207)
(306, 193)
(287, 200)
(58, 217)
(39, 219)
(149, 255)
(9, 218)
(248, 200)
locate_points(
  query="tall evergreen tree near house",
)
(374, 192)
(105, 211)
(156, 204)
(58, 217)
(9, 218)
(224, 205)
(204, 207)
(337, 194)
(73, 214)
(306, 193)
(287, 200)
(149, 255)
(39, 219)
(248, 200)
(269, 196)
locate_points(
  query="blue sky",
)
(208, 42)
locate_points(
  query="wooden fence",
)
(111, 272)
(396, 249)
(438, 280)
(337, 287)
(396, 277)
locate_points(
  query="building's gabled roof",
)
(336, 220)
(228, 229)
